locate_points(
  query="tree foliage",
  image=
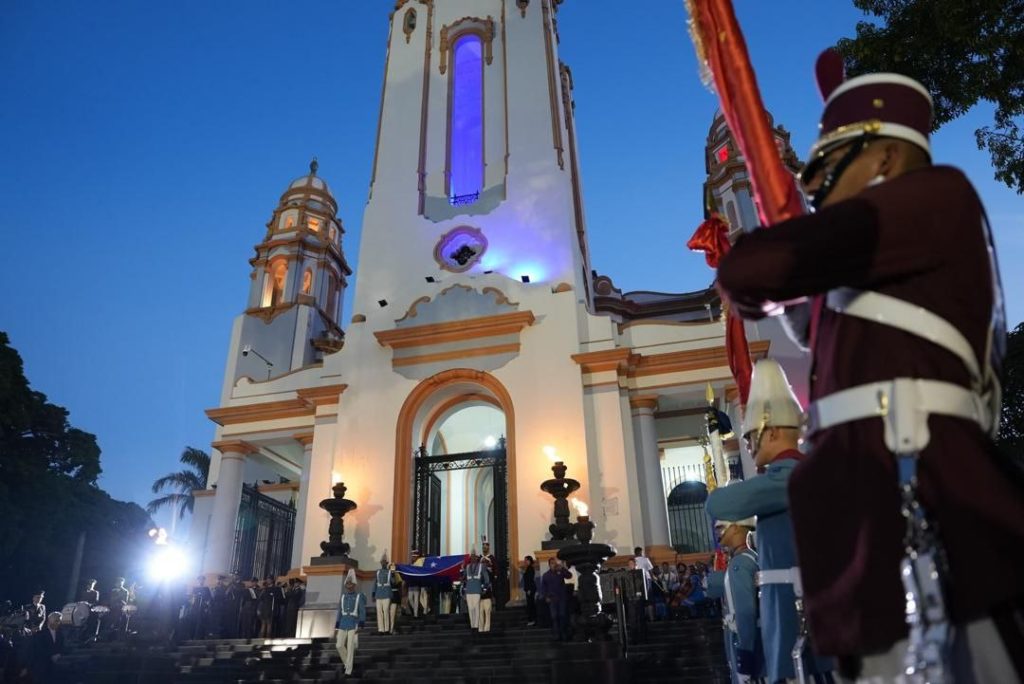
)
(963, 52)
(1011, 425)
(49, 497)
(185, 481)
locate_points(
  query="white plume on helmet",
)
(771, 402)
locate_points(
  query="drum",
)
(75, 614)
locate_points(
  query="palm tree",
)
(185, 481)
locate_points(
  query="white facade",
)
(521, 334)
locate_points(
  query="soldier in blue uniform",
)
(771, 431)
(476, 580)
(351, 616)
(382, 591)
(739, 586)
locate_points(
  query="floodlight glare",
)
(168, 563)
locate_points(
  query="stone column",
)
(306, 440)
(221, 540)
(649, 470)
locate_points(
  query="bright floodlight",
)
(490, 441)
(168, 563)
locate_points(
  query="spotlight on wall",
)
(525, 278)
(490, 441)
(382, 302)
(431, 279)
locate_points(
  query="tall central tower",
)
(475, 168)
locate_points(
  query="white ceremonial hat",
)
(771, 402)
(745, 522)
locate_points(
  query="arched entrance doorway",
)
(688, 522)
(455, 470)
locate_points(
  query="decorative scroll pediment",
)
(483, 27)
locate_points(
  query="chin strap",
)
(832, 177)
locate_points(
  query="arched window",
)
(466, 140)
(289, 222)
(278, 275)
(307, 281)
(409, 23)
(313, 223)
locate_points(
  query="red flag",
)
(712, 238)
(722, 49)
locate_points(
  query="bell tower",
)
(475, 169)
(298, 279)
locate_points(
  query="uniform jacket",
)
(765, 496)
(918, 237)
(382, 583)
(477, 578)
(351, 611)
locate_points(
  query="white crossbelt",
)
(783, 576)
(904, 404)
(910, 318)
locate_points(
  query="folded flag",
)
(433, 569)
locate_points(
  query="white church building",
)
(482, 343)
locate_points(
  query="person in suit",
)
(557, 595)
(47, 649)
(199, 608)
(247, 612)
(351, 616)
(265, 608)
(294, 600)
(530, 589)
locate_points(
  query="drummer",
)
(89, 593)
(91, 596)
(35, 614)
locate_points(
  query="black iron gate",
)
(263, 536)
(688, 522)
(427, 514)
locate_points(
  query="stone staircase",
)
(431, 649)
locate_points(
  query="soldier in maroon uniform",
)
(892, 284)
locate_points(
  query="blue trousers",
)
(559, 620)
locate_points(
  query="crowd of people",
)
(242, 609)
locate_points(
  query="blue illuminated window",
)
(466, 151)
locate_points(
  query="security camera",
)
(246, 349)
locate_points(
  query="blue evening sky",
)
(143, 146)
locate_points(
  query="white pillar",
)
(317, 479)
(306, 440)
(649, 470)
(221, 538)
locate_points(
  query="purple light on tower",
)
(466, 153)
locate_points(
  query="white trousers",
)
(384, 615)
(419, 598)
(394, 614)
(485, 615)
(346, 641)
(473, 603)
(979, 656)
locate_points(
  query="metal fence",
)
(690, 528)
(263, 536)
